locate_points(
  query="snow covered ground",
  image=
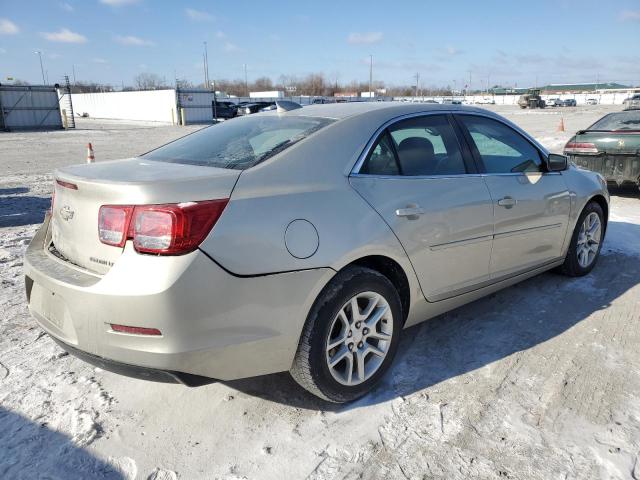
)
(541, 380)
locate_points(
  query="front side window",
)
(239, 144)
(502, 149)
(421, 146)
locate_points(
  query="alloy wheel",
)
(359, 338)
(589, 239)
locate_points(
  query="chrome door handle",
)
(507, 202)
(410, 211)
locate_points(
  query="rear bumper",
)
(135, 371)
(618, 169)
(213, 323)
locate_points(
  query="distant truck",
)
(531, 99)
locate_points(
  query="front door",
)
(531, 205)
(419, 180)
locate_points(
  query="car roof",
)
(339, 111)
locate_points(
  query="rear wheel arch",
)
(393, 271)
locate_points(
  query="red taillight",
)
(113, 224)
(64, 184)
(573, 148)
(135, 330)
(170, 229)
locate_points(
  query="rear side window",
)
(629, 120)
(501, 148)
(421, 146)
(239, 143)
(382, 159)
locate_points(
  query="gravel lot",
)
(540, 381)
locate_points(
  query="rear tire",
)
(583, 251)
(341, 355)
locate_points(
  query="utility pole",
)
(417, 83)
(44, 82)
(470, 81)
(370, 76)
(73, 68)
(246, 83)
(206, 67)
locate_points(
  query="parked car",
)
(592, 101)
(569, 102)
(277, 242)
(611, 147)
(632, 102)
(254, 107)
(451, 101)
(223, 109)
(553, 102)
(486, 101)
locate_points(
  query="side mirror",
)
(557, 163)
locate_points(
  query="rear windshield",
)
(629, 120)
(238, 143)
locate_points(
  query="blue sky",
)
(114, 40)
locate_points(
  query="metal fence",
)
(29, 107)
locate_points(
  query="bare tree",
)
(262, 84)
(149, 81)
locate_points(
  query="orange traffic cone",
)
(90, 157)
(561, 125)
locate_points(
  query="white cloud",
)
(365, 38)
(220, 35)
(7, 27)
(99, 60)
(630, 16)
(231, 47)
(452, 51)
(198, 15)
(118, 3)
(64, 35)
(134, 41)
(66, 6)
(54, 56)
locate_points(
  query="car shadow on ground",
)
(31, 449)
(17, 210)
(475, 335)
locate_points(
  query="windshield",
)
(239, 143)
(629, 120)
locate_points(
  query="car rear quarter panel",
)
(308, 181)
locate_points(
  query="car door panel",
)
(531, 206)
(532, 230)
(415, 177)
(449, 245)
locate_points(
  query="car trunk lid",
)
(81, 190)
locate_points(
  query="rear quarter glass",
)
(241, 143)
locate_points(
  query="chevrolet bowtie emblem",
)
(66, 213)
(620, 143)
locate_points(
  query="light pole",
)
(370, 76)
(246, 83)
(41, 67)
(206, 67)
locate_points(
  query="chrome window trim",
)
(355, 171)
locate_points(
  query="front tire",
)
(586, 242)
(350, 337)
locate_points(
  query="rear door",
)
(531, 206)
(421, 180)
